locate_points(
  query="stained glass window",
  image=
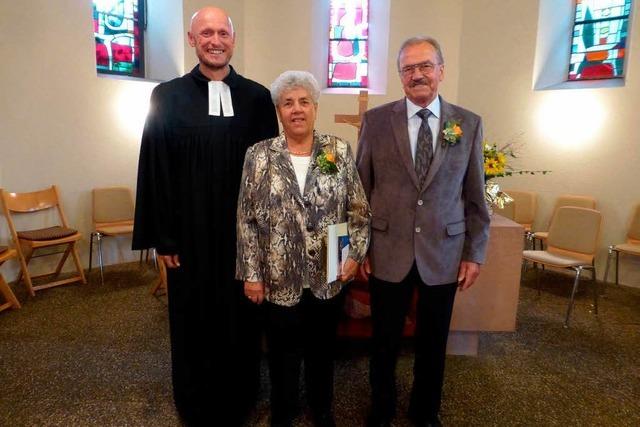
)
(348, 43)
(117, 27)
(599, 39)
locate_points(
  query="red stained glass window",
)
(348, 44)
(598, 47)
(117, 26)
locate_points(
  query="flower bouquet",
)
(495, 166)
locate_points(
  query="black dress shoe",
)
(434, 422)
(323, 419)
(375, 420)
(426, 422)
(281, 422)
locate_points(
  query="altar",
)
(490, 305)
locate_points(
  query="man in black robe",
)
(193, 146)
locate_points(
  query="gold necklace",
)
(299, 153)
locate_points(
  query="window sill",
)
(350, 91)
(129, 78)
(584, 84)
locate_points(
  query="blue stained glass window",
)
(598, 46)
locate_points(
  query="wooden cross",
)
(355, 119)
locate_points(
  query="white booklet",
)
(337, 249)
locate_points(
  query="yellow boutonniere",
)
(452, 132)
(326, 161)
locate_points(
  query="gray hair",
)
(421, 40)
(292, 80)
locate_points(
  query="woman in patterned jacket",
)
(294, 186)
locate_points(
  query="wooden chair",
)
(112, 216)
(571, 244)
(10, 299)
(161, 283)
(631, 247)
(564, 200)
(29, 241)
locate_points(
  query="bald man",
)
(197, 131)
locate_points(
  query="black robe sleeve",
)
(155, 222)
(267, 125)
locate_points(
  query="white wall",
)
(164, 49)
(60, 123)
(498, 46)
(280, 38)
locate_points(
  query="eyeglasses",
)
(423, 68)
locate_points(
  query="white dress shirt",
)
(414, 121)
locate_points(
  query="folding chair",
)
(29, 241)
(10, 299)
(161, 283)
(113, 213)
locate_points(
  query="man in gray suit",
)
(421, 165)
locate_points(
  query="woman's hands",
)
(254, 291)
(349, 270)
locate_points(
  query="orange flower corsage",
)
(452, 132)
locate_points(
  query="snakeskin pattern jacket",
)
(282, 233)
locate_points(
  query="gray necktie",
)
(424, 146)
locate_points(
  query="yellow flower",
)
(502, 159)
(330, 157)
(326, 161)
(492, 167)
(496, 162)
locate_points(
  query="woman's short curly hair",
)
(295, 79)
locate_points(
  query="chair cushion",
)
(3, 249)
(50, 233)
(545, 257)
(628, 248)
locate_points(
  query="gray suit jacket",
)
(437, 224)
